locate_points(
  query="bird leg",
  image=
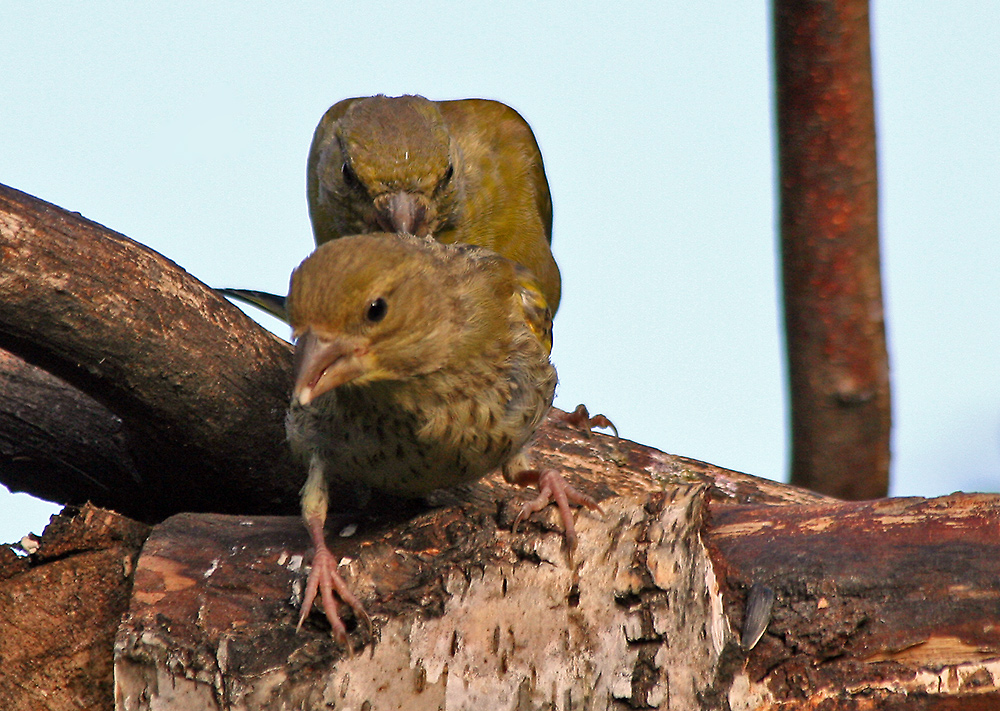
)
(552, 488)
(582, 419)
(323, 577)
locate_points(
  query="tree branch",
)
(834, 324)
(59, 444)
(200, 387)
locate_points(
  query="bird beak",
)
(322, 364)
(400, 212)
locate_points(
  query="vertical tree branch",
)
(837, 359)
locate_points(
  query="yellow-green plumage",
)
(455, 378)
(462, 171)
(419, 365)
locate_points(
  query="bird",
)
(467, 171)
(419, 366)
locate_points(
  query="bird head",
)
(384, 307)
(387, 164)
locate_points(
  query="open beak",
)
(401, 212)
(322, 364)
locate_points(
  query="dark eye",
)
(446, 178)
(349, 177)
(376, 310)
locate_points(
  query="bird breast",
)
(408, 438)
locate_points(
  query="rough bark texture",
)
(837, 359)
(888, 604)
(196, 382)
(881, 604)
(60, 609)
(467, 613)
(61, 445)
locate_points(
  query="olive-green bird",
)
(461, 171)
(420, 365)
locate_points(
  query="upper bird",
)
(461, 171)
(419, 365)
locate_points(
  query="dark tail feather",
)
(270, 303)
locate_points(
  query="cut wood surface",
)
(60, 609)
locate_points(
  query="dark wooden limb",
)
(60, 444)
(834, 323)
(881, 604)
(201, 387)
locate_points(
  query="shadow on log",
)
(61, 445)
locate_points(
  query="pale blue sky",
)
(186, 127)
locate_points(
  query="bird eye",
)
(376, 310)
(349, 177)
(446, 178)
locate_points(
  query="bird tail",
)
(270, 303)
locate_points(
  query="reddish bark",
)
(837, 359)
(60, 609)
(879, 604)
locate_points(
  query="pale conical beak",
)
(322, 364)
(401, 212)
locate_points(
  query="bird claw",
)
(583, 420)
(553, 488)
(325, 580)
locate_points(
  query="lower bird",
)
(419, 366)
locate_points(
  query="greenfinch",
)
(461, 171)
(419, 365)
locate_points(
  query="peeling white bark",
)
(638, 623)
